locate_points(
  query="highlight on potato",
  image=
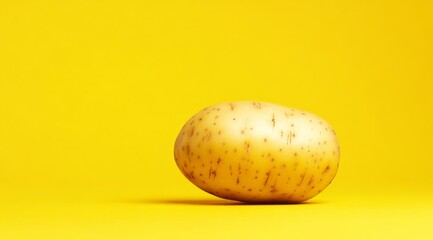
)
(258, 152)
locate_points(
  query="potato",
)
(258, 152)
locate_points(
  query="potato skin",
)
(258, 152)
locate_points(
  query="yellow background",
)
(93, 94)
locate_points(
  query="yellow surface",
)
(93, 94)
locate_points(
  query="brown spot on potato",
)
(273, 120)
(289, 138)
(302, 179)
(267, 177)
(232, 107)
(257, 105)
(247, 147)
(326, 169)
(311, 181)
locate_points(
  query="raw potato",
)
(258, 152)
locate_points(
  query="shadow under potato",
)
(213, 202)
